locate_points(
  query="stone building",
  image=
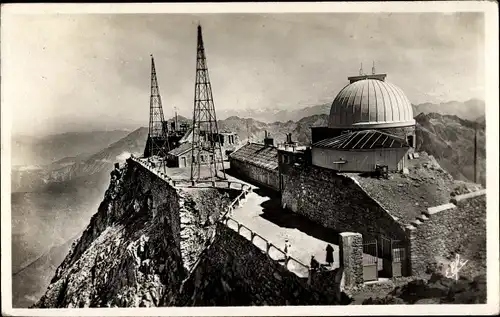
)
(181, 156)
(332, 182)
(361, 151)
(229, 142)
(257, 163)
(336, 181)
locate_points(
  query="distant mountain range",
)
(63, 194)
(470, 109)
(107, 146)
(28, 150)
(275, 115)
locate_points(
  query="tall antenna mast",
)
(373, 68)
(205, 131)
(157, 143)
(248, 133)
(175, 119)
(475, 152)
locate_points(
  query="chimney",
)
(268, 141)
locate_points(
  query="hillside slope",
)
(133, 143)
(470, 110)
(450, 140)
(35, 178)
(28, 150)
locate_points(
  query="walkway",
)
(261, 213)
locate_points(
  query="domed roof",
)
(370, 101)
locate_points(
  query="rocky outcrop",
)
(128, 256)
(140, 244)
(234, 272)
(436, 290)
(199, 211)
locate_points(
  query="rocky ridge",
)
(138, 247)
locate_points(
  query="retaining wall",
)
(444, 231)
(259, 175)
(233, 271)
(336, 202)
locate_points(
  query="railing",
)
(275, 253)
(291, 264)
(189, 184)
(245, 190)
(152, 168)
(225, 184)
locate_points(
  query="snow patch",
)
(124, 156)
(28, 168)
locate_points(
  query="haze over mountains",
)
(28, 150)
(470, 110)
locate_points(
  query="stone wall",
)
(259, 175)
(441, 233)
(200, 209)
(164, 198)
(233, 271)
(351, 255)
(336, 202)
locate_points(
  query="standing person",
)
(314, 263)
(329, 255)
(287, 247)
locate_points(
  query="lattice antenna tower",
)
(205, 130)
(475, 152)
(158, 128)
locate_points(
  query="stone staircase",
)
(426, 215)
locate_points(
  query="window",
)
(410, 139)
(211, 157)
(203, 158)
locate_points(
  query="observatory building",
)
(371, 124)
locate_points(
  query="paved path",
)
(264, 216)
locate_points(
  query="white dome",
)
(372, 103)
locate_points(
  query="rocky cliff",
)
(140, 244)
(156, 242)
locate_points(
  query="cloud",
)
(96, 68)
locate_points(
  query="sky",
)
(67, 72)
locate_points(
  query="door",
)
(370, 261)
